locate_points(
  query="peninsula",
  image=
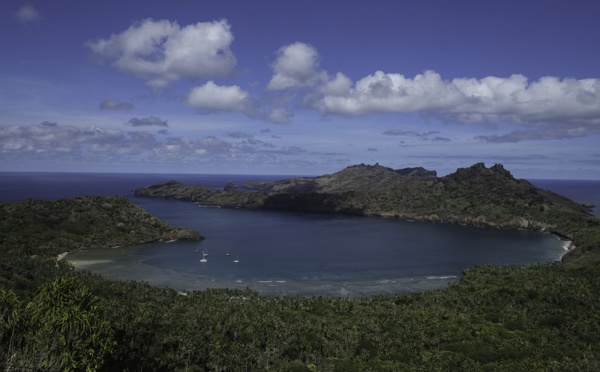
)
(477, 195)
(86, 222)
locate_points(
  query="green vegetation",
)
(52, 227)
(477, 195)
(542, 317)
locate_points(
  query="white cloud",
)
(280, 115)
(49, 143)
(28, 14)
(491, 99)
(217, 97)
(383, 92)
(340, 85)
(162, 51)
(51, 138)
(213, 97)
(297, 65)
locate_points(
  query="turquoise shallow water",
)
(293, 254)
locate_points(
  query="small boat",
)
(227, 254)
(236, 259)
(203, 259)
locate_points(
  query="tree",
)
(61, 329)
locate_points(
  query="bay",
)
(287, 253)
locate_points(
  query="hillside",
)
(480, 196)
(83, 222)
(540, 317)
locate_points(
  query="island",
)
(495, 318)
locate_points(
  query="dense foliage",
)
(52, 227)
(496, 318)
(542, 317)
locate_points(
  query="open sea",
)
(282, 253)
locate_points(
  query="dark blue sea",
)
(283, 253)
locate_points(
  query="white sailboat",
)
(203, 259)
(236, 259)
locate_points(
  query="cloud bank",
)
(162, 52)
(48, 138)
(466, 100)
(50, 141)
(550, 107)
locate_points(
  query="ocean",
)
(282, 253)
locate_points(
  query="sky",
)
(300, 87)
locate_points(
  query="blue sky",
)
(300, 87)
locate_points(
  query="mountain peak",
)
(480, 170)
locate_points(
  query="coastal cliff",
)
(479, 196)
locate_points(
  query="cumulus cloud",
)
(163, 51)
(27, 14)
(491, 99)
(146, 122)
(113, 104)
(297, 65)
(340, 85)
(213, 97)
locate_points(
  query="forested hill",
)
(475, 195)
(542, 317)
(49, 227)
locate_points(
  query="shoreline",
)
(62, 256)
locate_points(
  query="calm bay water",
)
(289, 253)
